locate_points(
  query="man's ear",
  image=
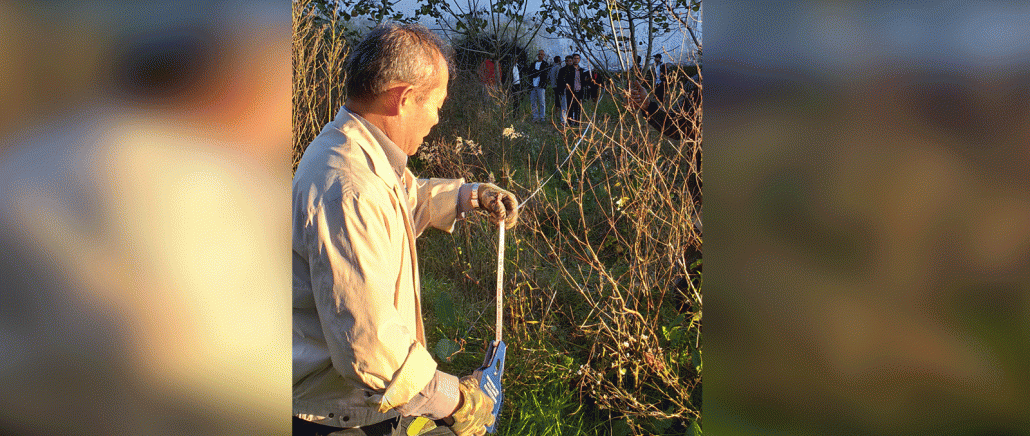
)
(396, 97)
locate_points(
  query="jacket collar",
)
(398, 159)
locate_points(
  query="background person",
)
(575, 81)
(487, 77)
(595, 85)
(588, 83)
(659, 78)
(557, 86)
(538, 93)
(515, 91)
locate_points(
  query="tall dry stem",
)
(319, 53)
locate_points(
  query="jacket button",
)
(346, 418)
(331, 415)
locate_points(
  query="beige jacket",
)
(359, 348)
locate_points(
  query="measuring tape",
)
(490, 373)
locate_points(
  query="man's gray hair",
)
(395, 53)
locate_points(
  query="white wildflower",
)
(510, 133)
(473, 147)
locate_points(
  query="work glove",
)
(475, 413)
(500, 204)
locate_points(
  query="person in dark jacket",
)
(574, 80)
(588, 80)
(594, 90)
(560, 106)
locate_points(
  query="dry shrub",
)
(319, 53)
(626, 228)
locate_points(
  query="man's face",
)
(575, 60)
(420, 117)
(540, 55)
(568, 61)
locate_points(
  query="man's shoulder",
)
(338, 162)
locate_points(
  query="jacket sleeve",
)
(433, 202)
(541, 72)
(354, 293)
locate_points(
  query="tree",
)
(497, 29)
(355, 16)
(614, 25)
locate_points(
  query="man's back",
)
(355, 267)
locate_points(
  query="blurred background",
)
(868, 250)
(868, 245)
(144, 208)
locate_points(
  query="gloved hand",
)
(500, 204)
(475, 413)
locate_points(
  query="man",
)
(359, 354)
(559, 88)
(574, 81)
(538, 93)
(659, 78)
